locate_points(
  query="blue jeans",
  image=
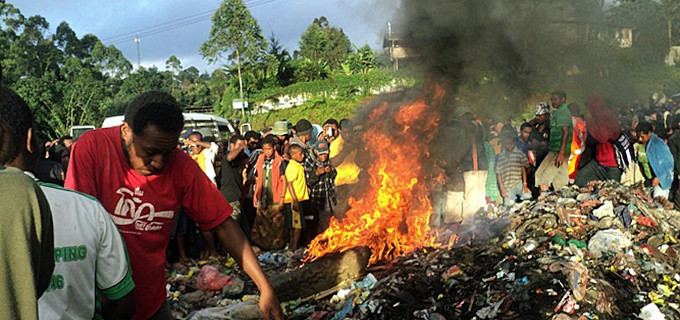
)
(513, 193)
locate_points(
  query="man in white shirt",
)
(89, 253)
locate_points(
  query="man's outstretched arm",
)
(235, 242)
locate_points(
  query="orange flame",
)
(392, 217)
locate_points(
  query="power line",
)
(164, 29)
(158, 25)
(175, 24)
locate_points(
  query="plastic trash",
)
(368, 282)
(275, 258)
(577, 275)
(608, 241)
(345, 311)
(605, 210)
(651, 312)
(234, 289)
(623, 212)
(210, 279)
(239, 311)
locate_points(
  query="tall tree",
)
(670, 9)
(173, 64)
(234, 35)
(285, 72)
(321, 41)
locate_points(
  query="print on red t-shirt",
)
(143, 207)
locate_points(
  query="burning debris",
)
(606, 252)
(391, 217)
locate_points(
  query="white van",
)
(219, 128)
(76, 131)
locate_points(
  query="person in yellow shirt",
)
(296, 200)
(343, 159)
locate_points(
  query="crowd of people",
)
(97, 245)
(565, 144)
(89, 227)
(280, 182)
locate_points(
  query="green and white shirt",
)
(89, 255)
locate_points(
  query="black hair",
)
(196, 133)
(574, 109)
(345, 124)
(508, 132)
(154, 107)
(18, 116)
(251, 135)
(559, 93)
(524, 125)
(67, 137)
(294, 147)
(645, 127)
(268, 140)
(674, 121)
(331, 121)
(236, 138)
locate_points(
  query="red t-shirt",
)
(144, 207)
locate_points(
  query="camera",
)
(330, 132)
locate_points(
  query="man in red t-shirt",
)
(140, 176)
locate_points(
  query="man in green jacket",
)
(26, 236)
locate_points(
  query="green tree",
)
(173, 64)
(234, 35)
(285, 72)
(362, 60)
(320, 41)
(649, 33)
(670, 9)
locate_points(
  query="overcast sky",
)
(364, 21)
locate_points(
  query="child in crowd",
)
(323, 186)
(270, 187)
(297, 195)
(511, 171)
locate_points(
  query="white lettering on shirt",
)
(131, 211)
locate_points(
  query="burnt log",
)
(320, 275)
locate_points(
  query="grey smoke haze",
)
(495, 54)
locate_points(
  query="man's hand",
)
(256, 203)
(270, 306)
(560, 160)
(504, 193)
(327, 169)
(526, 189)
(319, 171)
(655, 181)
(295, 205)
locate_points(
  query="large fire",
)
(392, 217)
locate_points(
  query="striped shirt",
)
(509, 167)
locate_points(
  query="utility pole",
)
(240, 85)
(139, 63)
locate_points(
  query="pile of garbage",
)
(218, 288)
(602, 252)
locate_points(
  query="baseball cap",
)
(321, 147)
